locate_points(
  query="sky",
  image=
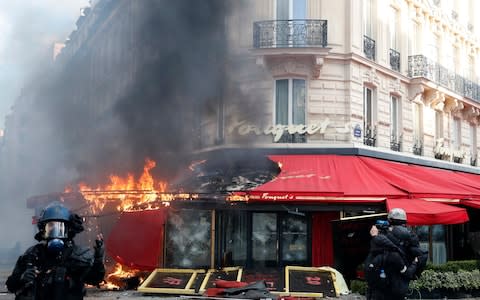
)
(28, 29)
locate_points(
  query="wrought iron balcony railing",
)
(369, 47)
(417, 147)
(290, 33)
(395, 60)
(421, 66)
(293, 138)
(370, 136)
(473, 160)
(395, 142)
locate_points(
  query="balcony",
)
(395, 142)
(421, 66)
(369, 47)
(417, 147)
(370, 136)
(290, 33)
(395, 60)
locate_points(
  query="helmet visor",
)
(55, 230)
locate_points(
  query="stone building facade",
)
(400, 76)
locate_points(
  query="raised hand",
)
(99, 248)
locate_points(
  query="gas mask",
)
(55, 233)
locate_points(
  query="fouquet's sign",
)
(277, 131)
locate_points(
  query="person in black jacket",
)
(387, 270)
(56, 268)
(408, 241)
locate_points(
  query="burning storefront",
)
(265, 212)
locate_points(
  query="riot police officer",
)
(56, 268)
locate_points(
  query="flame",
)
(119, 272)
(129, 191)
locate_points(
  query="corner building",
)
(391, 82)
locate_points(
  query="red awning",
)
(343, 178)
(420, 181)
(422, 212)
(324, 178)
(136, 240)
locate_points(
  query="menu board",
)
(309, 282)
(274, 278)
(171, 281)
(229, 274)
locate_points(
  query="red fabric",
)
(420, 181)
(422, 212)
(471, 203)
(212, 292)
(322, 238)
(324, 177)
(219, 283)
(136, 240)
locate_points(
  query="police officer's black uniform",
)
(56, 268)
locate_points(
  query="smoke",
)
(149, 77)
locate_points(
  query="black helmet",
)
(54, 222)
(54, 212)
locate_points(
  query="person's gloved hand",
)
(28, 277)
(99, 248)
(76, 224)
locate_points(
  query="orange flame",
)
(113, 279)
(127, 190)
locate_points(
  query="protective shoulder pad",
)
(82, 255)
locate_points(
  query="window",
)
(368, 117)
(456, 133)
(287, 33)
(394, 116)
(438, 125)
(272, 240)
(417, 129)
(432, 47)
(473, 144)
(432, 238)
(291, 9)
(290, 106)
(188, 239)
(395, 133)
(368, 41)
(470, 69)
(367, 20)
(392, 28)
(412, 38)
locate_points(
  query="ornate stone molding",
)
(453, 106)
(415, 92)
(304, 66)
(371, 77)
(471, 114)
(396, 87)
(434, 99)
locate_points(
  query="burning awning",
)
(422, 212)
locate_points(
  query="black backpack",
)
(375, 272)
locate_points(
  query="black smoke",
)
(148, 77)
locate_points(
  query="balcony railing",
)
(421, 66)
(370, 136)
(395, 60)
(473, 160)
(290, 33)
(293, 138)
(395, 142)
(369, 47)
(417, 147)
